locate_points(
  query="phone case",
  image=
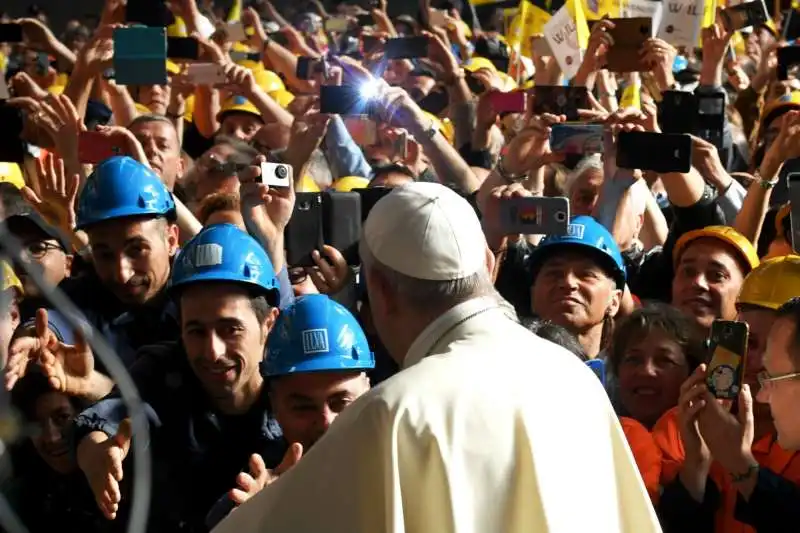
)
(140, 56)
(678, 112)
(659, 152)
(577, 138)
(341, 223)
(204, 74)
(510, 102)
(535, 215)
(303, 233)
(94, 148)
(235, 32)
(560, 100)
(744, 15)
(629, 36)
(728, 344)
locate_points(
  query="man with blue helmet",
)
(316, 364)
(578, 281)
(206, 397)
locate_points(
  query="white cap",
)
(426, 231)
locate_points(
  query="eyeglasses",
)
(38, 249)
(766, 381)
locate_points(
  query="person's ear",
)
(268, 323)
(382, 297)
(173, 239)
(614, 302)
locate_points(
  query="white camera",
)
(276, 175)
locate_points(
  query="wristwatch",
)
(430, 132)
(765, 184)
(506, 175)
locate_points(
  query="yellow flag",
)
(709, 13)
(235, 14)
(517, 30)
(737, 42)
(575, 8)
(632, 96)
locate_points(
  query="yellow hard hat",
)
(268, 80)
(11, 173)
(56, 89)
(477, 63)
(177, 28)
(237, 104)
(10, 280)
(772, 283)
(348, 183)
(725, 234)
(241, 47)
(508, 82)
(282, 97)
(307, 184)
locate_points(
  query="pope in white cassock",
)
(487, 429)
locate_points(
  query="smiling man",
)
(710, 267)
(206, 397)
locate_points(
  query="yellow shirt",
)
(487, 429)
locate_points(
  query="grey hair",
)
(590, 162)
(430, 294)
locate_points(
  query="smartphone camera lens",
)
(281, 172)
(561, 216)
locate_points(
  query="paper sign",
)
(561, 33)
(680, 22)
(644, 8)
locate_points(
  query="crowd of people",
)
(442, 372)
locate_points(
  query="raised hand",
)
(250, 483)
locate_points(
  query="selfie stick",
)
(140, 502)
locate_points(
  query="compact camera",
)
(276, 175)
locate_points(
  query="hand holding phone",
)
(209, 74)
(744, 15)
(728, 342)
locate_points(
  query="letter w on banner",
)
(567, 33)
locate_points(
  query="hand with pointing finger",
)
(260, 476)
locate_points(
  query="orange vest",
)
(646, 454)
(767, 452)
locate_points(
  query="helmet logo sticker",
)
(315, 341)
(148, 197)
(206, 255)
(346, 338)
(576, 231)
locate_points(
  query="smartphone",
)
(788, 58)
(235, 33)
(435, 102)
(337, 24)
(209, 74)
(11, 33)
(406, 48)
(149, 13)
(510, 102)
(307, 67)
(794, 216)
(560, 100)
(341, 223)
(365, 20)
(577, 138)
(744, 15)
(94, 147)
(534, 215)
(140, 56)
(678, 111)
(280, 38)
(342, 100)
(183, 48)
(629, 35)
(710, 118)
(277, 175)
(437, 17)
(369, 43)
(363, 130)
(303, 233)
(728, 343)
(12, 148)
(659, 152)
(42, 64)
(369, 197)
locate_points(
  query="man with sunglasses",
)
(45, 249)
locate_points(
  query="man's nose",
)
(123, 271)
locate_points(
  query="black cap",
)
(19, 223)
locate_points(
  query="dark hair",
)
(260, 302)
(32, 387)
(683, 329)
(243, 152)
(555, 334)
(379, 170)
(215, 203)
(791, 311)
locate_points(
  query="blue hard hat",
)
(122, 187)
(223, 252)
(583, 233)
(316, 334)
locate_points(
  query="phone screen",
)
(10, 33)
(728, 343)
(342, 100)
(406, 48)
(182, 48)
